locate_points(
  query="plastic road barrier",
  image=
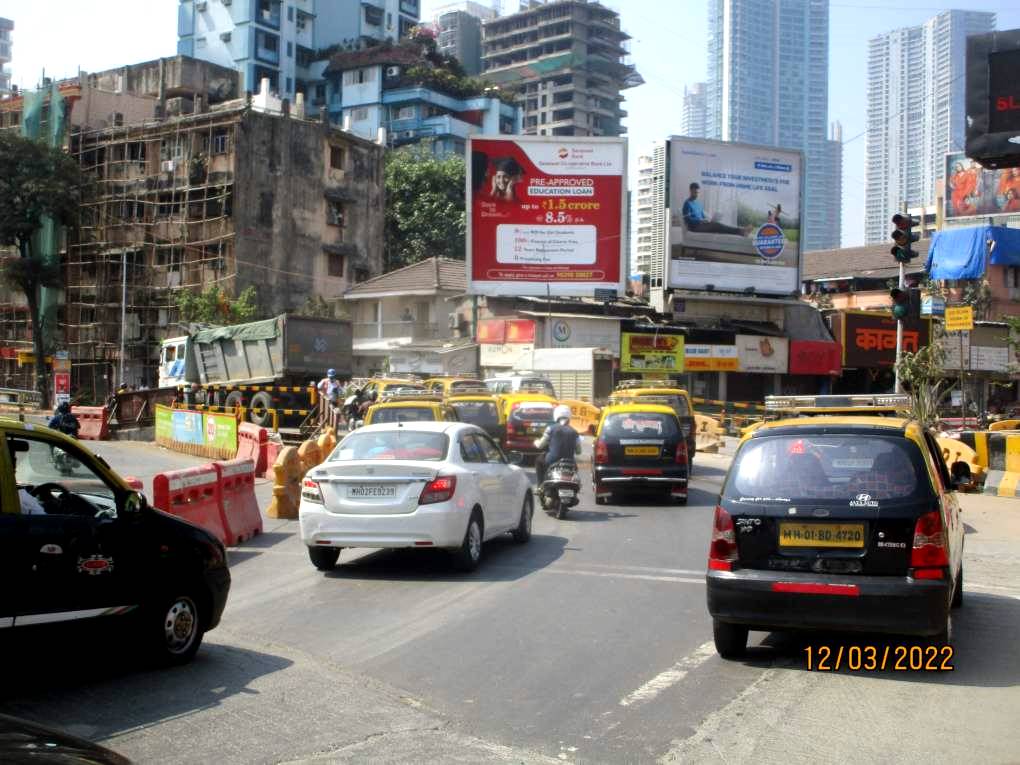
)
(241, 514)
(194, 495)
(253, 444)
(95, 422)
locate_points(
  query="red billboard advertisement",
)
(501, 331)
(815, 357)
(547, 215)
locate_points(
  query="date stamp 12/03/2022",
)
(874, 658)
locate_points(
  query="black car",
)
(27, 742)
(82, 547)
(836, 523)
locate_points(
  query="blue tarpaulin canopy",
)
(961, 253)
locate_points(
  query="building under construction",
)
(244, 192)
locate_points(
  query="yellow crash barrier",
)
(708, 433)
(1005, 425)
(957, 451)
(287, 475)
(582, 414)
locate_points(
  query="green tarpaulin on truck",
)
(256, 330)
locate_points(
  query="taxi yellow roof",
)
(893, 423)
(636, 408)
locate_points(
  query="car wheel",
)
(259, 412)
(469, 553)
(177, 635)
(234, 399)
(324, 558)
(958, 590)
(522, 533)
(730, 639)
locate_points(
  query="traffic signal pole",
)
(898, 388)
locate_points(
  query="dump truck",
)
(263, 366)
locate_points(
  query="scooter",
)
(558, 492)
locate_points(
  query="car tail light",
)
(510, 427)
(681, 453)
(439, 490)
(601, 452)
(930, 550)
(310, 491)
(723, 550)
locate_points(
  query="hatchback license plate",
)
(821, 535)
(371, 491)
(641, 451)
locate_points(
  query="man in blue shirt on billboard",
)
(696, 220)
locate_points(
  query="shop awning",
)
(961, 253)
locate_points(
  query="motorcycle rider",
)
(63, 419)
(559, 442)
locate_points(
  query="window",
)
(337, 155)
(220, 141)
(359, 76)
(491, 451)
(290, 13)
(392, 444)
(39, 462)
(373, 15)
(290, 85)
(471, 450)
(335, 213)
(290, 50)
(360, 275)
(359, 115)
(405, 113)
(335, 265)
(199, 43)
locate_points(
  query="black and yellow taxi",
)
(836, 523)
(378, 387)
(480, 407)
(410, 406)
(451, 386)
(678, 399)
(81, 547)
(850, 405)
(640, 448)
(526, 415)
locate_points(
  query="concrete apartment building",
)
(6, 28)
(227, 192)
(768, 84)
(694, 119)
(567, 61)
(458, 29)
(650, 214)
(283, 41)
(916, 112)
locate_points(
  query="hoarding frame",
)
(981, 211)
(572, 289)
(668, 282)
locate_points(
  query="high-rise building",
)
(282, 41)
(567, 61)
(768, 84)
(6, 27)
(650, 211)
(694, 120)
(916, 112)
(459, 32)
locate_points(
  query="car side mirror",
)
(135, 503)
(960, 471)
(515, 458)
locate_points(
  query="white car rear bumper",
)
(439, 525)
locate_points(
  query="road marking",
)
(671, 676)
(651, 569)
(614, 575)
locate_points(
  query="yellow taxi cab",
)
(857, 404)
(641, 448)
(410, 407)
(837, 523)
(525, 415)
(449, 386)
(675, 397)
(84, 547)
(480, 407)
(378, 387)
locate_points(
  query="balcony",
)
(396, 332)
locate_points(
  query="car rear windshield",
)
(836, 468)
(403, 414)
(533, 413)
(465, 385)
(640, 425)
(397, 388)
(676, 402)
(392, 445)
(477, 412)
(537, 384)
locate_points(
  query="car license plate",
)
(641, 451)
(821, 535)
(371, 491)
(568, 493)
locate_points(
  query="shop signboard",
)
(502, 354)
(815, 357)
(500, 331)
(547, 215)
(869, 338)
(710, 358)
(584, 332)
(763, 355)
(650, 352)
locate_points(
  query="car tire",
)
(175, 629)
(469, 554)
(234, 398)
(730, 639)
(522, 533)
(957, 601)
(262, 402)
(324, 558)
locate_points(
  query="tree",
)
(214, 306)
(923, 375)
(36, 182)
(424, 206)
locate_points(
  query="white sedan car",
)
(421, 484)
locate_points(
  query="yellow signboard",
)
(640, 352)
(959, 318)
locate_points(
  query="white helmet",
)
(562, 412)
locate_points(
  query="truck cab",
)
(173, 357)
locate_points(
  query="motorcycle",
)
(558, 492)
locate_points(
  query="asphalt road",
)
(589, 644)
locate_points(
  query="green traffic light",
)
(899, 311)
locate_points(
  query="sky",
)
(668, 48)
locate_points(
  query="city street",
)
(589, 644)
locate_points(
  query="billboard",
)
(546, 215)
(869, 338)
(641, 352)
(735, 216)
(993, 98)
(971, 190)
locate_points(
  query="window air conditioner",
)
(393, 71)
(200, 6)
